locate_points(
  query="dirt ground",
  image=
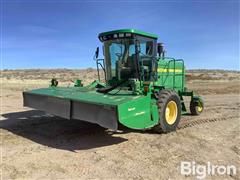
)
(39, 146)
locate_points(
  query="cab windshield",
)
(120, 57)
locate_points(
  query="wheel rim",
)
(199, 107)
(171, 112)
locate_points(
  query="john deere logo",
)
(161, 70)
(131, 109)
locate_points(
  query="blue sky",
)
(63, 34)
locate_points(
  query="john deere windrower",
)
(142, 89)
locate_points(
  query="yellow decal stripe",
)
(169, 70)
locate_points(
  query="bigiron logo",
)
(202, 171)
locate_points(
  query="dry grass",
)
(91, 74)
(202, 81)
(65, 75)
(218, 75)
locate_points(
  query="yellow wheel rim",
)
(199, 108)
(171, 112)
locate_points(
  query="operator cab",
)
(129, 54)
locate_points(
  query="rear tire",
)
(169, 110)
(196, 106)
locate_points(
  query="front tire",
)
(169, 110)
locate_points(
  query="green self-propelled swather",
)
(140, 89)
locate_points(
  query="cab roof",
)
(132, 31)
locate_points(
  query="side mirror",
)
(160, 49)
(97, 52)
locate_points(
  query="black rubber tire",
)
(194, 107)
(164, 96)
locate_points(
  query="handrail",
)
(174, 74)
(102, 66)
(167, 66)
